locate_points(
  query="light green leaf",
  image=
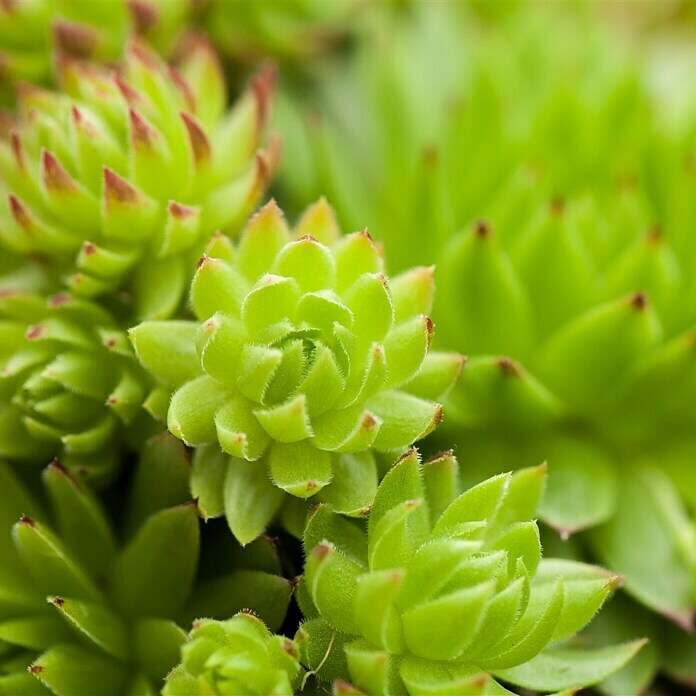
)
(560, 667)
(299, 468)
(104, 629)
(251, 500)
(167, 349)
(406, 419)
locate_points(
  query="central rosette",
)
(306, 356)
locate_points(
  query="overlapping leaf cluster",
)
(294, 370)
(442, 593)
(304, 361)
(570, 285)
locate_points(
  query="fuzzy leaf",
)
(167, 349)
(299, 468)
(251, 500)
(406, 419)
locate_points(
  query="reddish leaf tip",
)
(639, 301)
(19, 212)
(35, 331)
(322, 550)
(58, 601)
(55, 178)
(35, 669)
(28, 521)
(509, 367)
(145, 15)
(200, 145)
(142, 134)
(179, 211)
(78, 40)
(117, 189)
(557, 205)
(482, 229)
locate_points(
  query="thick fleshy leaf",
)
(251, 500)
(434, 678)
(406, 419)
(406, 347)
(441, 483)
(217, 287)
(94, 622)
(323, 525)
(456, 615)
(191, 415)
(561, 668)
(355, 254)
(261, 240)
(438, 374)
(238, 430)
(332, 581)
(288, 422)
(369, 300)
(413, 292)
(353, 485)
(167, 349)
(72, 669)
(530, 636)
(299, 468)
(83, 525)
(322, 649)
(372, 669)
(53, 567)
(309, 262)
(208, 471)
(660, 571)
(582, 486)
(154, 573)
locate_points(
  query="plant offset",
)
(243, 452)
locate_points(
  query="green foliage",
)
(306, 361)
(70, 382)
(235, 656)
(430, 601)
(34, 34)
(84, 611)
(120, 179)
(560, 152)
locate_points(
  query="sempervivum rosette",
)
(88, 608)
(306, 358)
(589, 364)
(35, 33)
(118, 177)
(70, 383)
(448, 594)
(237, 656)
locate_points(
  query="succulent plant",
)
(305, 358)
(70, 384)
(446, 594)
(569, 283)
(120, 178)
(237, 656)
(88, 608)
(34, 34)
(292, 32)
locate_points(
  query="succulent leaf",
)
(473, 570)
(298, 369)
